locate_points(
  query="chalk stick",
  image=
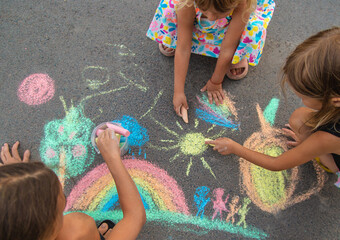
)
(117, 135)
(207, 139)
(118, 129)
(184, 113)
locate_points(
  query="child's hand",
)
(8, 158)
(290, 133)
(108, 145)
(223, 145)
(215, 91)
(179, 100)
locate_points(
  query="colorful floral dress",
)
(208, 35)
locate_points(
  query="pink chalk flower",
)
(78, 150)
(36, 89)
(50, 153)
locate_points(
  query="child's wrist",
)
(215, 83)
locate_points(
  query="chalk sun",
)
(190, 145)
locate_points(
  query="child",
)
(32, 201)
(229, 30)
(313, 72)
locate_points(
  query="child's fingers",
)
(210, 98)
(15, 152)
(2, 155)
(7, 154)
(216, 99)
(204, 88)
(292, 144)
(26, 157)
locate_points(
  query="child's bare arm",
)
(130, 201)
(230, 41)
(317, 144)
(185, 23)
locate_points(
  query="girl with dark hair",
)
(32, 200)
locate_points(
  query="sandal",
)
(322, 166)
(169, 52)
(240, 64)
(110, 225)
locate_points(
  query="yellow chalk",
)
(208, 139)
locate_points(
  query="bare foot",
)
(104, 230)
(166, 50)
(239, 70)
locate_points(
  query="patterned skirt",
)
(208, 35)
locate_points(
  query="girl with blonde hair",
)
(312, 71)
(233, 31)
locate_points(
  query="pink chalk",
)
(117, 129)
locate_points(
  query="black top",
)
(334, 130)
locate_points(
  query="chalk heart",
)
(273, 191)
(36, 89)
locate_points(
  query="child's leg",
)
(297, 123)
(78, 226)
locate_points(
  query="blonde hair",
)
(219, 5)
(313, 70)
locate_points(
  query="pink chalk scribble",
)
(36, 89)
(50, 153)
(78, 150)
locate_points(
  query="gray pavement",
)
(94, 56)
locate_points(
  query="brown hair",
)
(28, 201)
(313, 70)
(222, 6)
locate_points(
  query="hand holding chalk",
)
(184, 113)
(209, 142)
(117, 129)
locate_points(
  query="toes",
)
(103, 228)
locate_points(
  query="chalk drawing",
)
(223, 115)
(243, 212)
(65, 147)
(273, 191)
(191, 145)
(95, 76)
(219, 204)
(201, 200)
(234, 207)
(36, 89)
(138, 134)
(124, 63)
(95, 194)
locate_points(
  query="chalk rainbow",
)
(97, 191)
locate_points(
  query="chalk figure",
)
(312, 71)
(201, 200)
(219, 204)
(233, 209)
(243, 212)
(337, 184)
(22, 181)
(233, 31)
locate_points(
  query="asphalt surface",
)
(99, 61)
